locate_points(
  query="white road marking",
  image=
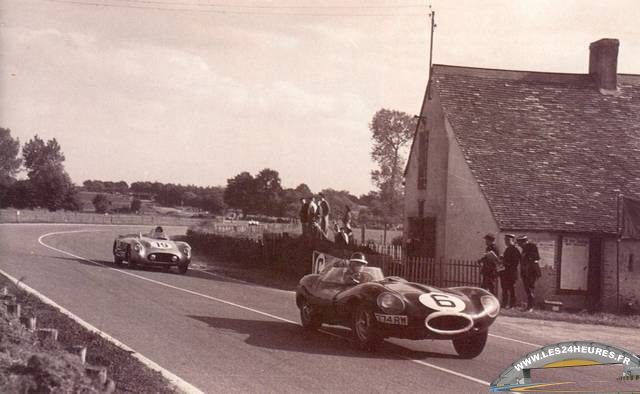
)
(175, 380)
(155, 281)
(449, 371)
(420, 362)
(516, 340)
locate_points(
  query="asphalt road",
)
(226, 336)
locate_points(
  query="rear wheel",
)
(308, 316)
(365, 329)
(471, 346)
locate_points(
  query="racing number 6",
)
(443, 300)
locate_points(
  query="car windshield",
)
(339, 275)
(158, 235)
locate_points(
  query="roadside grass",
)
(128, 372)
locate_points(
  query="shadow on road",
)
(292, 337)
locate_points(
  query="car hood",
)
(412, 291)
(158, 244)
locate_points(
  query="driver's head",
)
(357, 262)
(158, 230)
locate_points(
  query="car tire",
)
(471, 346)
(308, 317)
(183, 268)
(365, 329)
(116, 259)
(128, 257)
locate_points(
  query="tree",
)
(269, 192)
(101, 203)
(391, 132)
(49, 181)
(9, 161)
(304, 190)
(213, 200)
(136, 204)
(241, 192)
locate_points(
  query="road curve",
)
(225, 336)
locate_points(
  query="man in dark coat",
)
(323, 207)
(509, 275)
(304, 218)
(488, 265)
(529, 268)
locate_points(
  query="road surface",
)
(222, 335)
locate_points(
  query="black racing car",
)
(379, 307)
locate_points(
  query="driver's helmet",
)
(357, 259)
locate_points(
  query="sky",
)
(197, 91)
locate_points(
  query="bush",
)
(101, 203)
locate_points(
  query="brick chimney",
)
(603, 63)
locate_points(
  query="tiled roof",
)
(549, 151)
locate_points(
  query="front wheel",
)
(129, 258)
(472, 345)
(182, 268)
(116, 259)
(364, 329)
(308, 316)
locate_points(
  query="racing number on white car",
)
(442, 302)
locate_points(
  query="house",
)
(535, 153)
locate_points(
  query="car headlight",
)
(490, 305)
(137, 247)
(186, 250)
(390, 303)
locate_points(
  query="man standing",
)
(324, 213)
(529, 268)
(509, 275)
(304, 219)
(488, 262)
(312, 219)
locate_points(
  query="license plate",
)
(399, 320)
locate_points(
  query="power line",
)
(150, 6)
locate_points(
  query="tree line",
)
(49, 186)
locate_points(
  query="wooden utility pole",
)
(432, 16)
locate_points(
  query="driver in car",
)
(158, 233)
(354, 273)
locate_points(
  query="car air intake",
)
(164, 257)
(448, 324)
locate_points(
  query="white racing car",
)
(152, 249)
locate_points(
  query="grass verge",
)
(19, 346)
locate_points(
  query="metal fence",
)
(437, 272)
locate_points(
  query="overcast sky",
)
(194, 96)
